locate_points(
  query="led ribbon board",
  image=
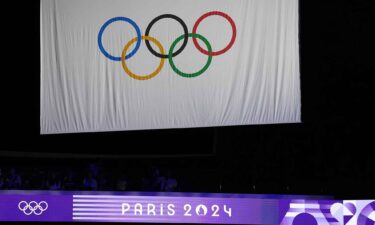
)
(136, 64)
(190, 208)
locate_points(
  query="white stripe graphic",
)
(120, 218)
(113, 196)
(97, 209)
(304, 206)
(119, 200)
(96, 214)
(97, 205)
(294, 214)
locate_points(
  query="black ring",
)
(186, 38)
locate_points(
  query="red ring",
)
(234, 33)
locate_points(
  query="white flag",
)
(110, 65)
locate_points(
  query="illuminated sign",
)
(190, 208)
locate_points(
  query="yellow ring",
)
(135, 76)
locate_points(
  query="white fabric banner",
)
(109, 65)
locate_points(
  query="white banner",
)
(109, 65)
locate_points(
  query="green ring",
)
(190, 75)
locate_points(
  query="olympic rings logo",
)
(171, 53)
(33, 207)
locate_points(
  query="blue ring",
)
(125, 19)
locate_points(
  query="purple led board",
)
(181, 208)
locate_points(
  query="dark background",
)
(331, 152)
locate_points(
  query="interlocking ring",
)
(171, 52)
(33, 207)
(138, 77)
(234, 33)
(178, 19)
(189, 75)
(106, 24)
